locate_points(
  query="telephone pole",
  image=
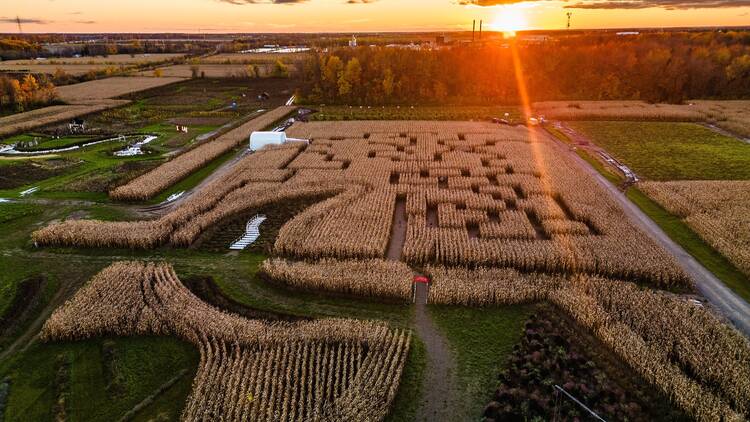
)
(570, 15)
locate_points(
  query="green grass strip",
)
(683, 235)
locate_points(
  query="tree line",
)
(668, 67)
(25, 94)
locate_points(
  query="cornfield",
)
(101, 89)
(719, 211)
(324, 370)
(619, 110)
(171, 172)
(702, 364)
(475, 193)
(369, 278)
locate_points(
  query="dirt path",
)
(439, 389)
(727, 133)
(398, 231)
(720, 296)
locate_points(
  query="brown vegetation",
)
(109, 88)
(178, 168)
(719, 211)
(455, 177)
(367, 278)
(324, 370)
(619, 110)
(699, 362)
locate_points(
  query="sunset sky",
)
(359, 15)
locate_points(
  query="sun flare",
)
(508, 20)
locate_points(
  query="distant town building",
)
(443, 39)
(353, 41)
(626, 33)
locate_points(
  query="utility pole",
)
(473, 29)
(480, 29)
(18, 21)
(570, 15)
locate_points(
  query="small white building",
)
(260, 139)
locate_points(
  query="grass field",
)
(671, 151)
(481, 351)
(97, 386)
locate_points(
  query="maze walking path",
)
(438, 386)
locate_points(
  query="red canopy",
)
(421, 279)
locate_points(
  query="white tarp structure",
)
(260, 139)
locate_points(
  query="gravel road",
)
(720, 296)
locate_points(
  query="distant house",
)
(353, 41)
(77, 126)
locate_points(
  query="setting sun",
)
(508, 20)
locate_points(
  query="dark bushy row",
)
(549, 355)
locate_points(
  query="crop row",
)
(551, 218)
(176, 169)
(369, 278)
(249, 369)
(702, 364)
(719, 211)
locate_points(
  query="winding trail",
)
(728, 303)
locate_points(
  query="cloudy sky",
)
(359, 15)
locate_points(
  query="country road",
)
(720, 296)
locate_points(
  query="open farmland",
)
(253, 58)
(202, 105)
(109, 88)
(83, 98)
(495, 216)
(618, 110)
(76, 66)
(717, 210)
(215, 70)
(22, 122)
(671, 151)
(172, 171)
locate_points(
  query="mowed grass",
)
(140, 365)
(481, 340)
(683, 235)
(671, 151)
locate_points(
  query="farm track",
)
(728, 303)
(438, 386)
(725, 132)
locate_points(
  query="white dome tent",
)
(259, 140)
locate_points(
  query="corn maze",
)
(493, 214)
(324, 370)
(475, 194)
